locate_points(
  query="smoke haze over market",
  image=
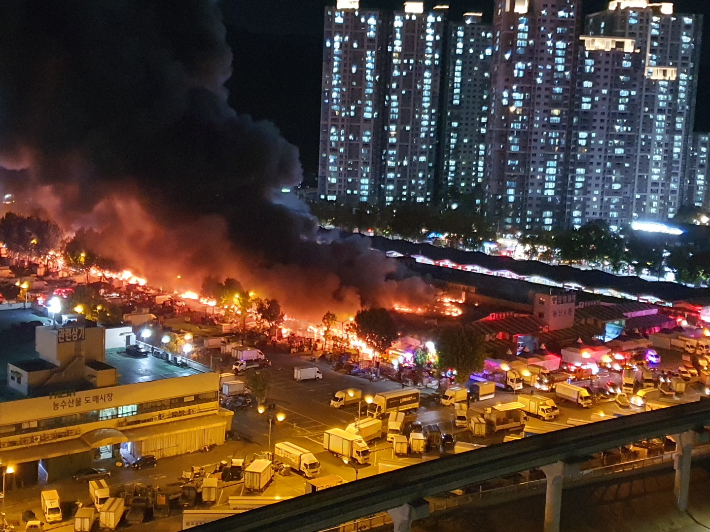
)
(116, 118)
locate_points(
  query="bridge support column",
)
(403, 516)
(682, 464)
(555, 474)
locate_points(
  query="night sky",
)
(278, 54)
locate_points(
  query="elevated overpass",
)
(401, 492)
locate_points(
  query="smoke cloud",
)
(117, 115)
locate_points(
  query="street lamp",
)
(368, 400)
(8, 470)
(187, 349)
(54, 306)
(146, 333)
(188, 337)
(26, 286)
(165, 339)
(280, 416)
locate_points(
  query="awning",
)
(176, 427)
(102, 437)
(43, 451)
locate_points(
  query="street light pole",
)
(8, 470)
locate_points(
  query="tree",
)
(376, 327)
(258, 381)
(462, 349)
(269, 310)
(329, 319)
(29, 235)
(87, 301)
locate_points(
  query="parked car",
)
(136, 351)
(690, 369)
(92, 473)
(603, 394)
(145, 461)
(447, 442)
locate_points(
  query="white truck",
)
(396, 423)
(323, 483)
(455, 394)
(400, 445)
(574, 394)
(346, 397)
(628, 380)
(298, 458)
(111, 513)
(368, 429)
(258, 475)
(98, 489)
(305, 374)
(248, 358)
(50, 506)
(502, 417)
(395, 401)
(226, 348)
(539, 406)
(234, 387)
(417, 443)
(84, 519)
(346, 445)
(481, 391)
(214, 342)
(461, 415)
(209, 490)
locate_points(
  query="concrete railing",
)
(523, 489)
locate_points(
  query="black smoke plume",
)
(116, 113)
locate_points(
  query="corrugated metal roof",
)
(513, 326)
(599, 312)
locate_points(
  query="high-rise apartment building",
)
(531, 102)
(634, 109)
(696, 172)
(352, 121)
(412, 109)
(468, 91)
(606, 124)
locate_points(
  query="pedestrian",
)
(403, 385)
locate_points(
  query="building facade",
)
(468, 91)
(634, 114)
(354, 68)
(697, 172)
(532, 90)
(607, 120)
(412, 110)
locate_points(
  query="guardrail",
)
(527, 488)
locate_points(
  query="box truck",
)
(305, 374)
(50, 506)
(111, 513)
(98, 489)
(84, 519)
(453, 395)
(481, 391)
(400, 446)
(368, 429)
(346, 397)
(574, 394)
(538, 406)
(258, 475)
(215, 342)
(234, 387)
(396, 423)
(398, 400)
(417, 442)
(247, 353)
(503, 417)
(298, 458)
(346, 445)
(322, 483)
(209, 490)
